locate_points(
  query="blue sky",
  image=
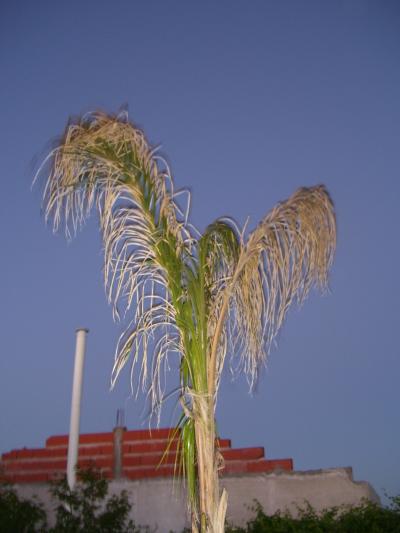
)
(250, 100)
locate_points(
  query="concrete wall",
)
(160, 504)
(288, 491)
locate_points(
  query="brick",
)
(97, 462)
(39, 453)
(41, 477)
(9, 455)
(223, 443)
(96, 450)
(143, 473)
(84, 439)
(107, 473)
(131, 436)
(234, 467)
(142, 451)
(129, 446)
(149, 459)
(148, 447)
(34, 453)
(147, 434)
(58, 451)
(57, 440)
(242, 454)
(16, 466)
(270, 465)
(5, 478)
(95, 438)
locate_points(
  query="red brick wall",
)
(142, 457)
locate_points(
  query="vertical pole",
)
(76, 406)
(118, 438)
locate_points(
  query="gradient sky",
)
(250, 100)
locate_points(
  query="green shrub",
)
(367, 517)
(87, 508)
(18, 515)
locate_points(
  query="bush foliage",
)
(367, 517)
(86, 509)
(19, 515)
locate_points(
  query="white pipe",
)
(76, 406)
